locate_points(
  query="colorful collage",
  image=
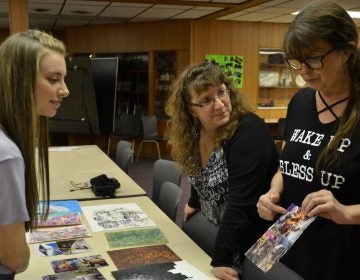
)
(278, 239)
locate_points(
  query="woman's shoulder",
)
(249, 124)
(8, 149)
(303, 94)
(250, 119)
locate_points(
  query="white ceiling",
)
(57, 14)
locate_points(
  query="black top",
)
(325, 250)
(248, 162)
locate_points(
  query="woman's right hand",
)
(188, 211)
(268, 207)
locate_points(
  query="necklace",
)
(328, 107)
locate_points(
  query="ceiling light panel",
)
(48, 9)
(88, 10)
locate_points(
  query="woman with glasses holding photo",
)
(229, 155)
(320, 162)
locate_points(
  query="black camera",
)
(103, 186)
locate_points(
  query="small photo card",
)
(279, 238)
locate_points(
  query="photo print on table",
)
(143, 236)
(62, 247)
(180, 270)
(126, 258)
(78, 263)
(91, 273)
(61, 213)
(116, 216)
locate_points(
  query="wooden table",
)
(179, 242)
(78, 164)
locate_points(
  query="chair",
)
(278, 272)
(164, 171)
(123, 155)
(169, 199)
(129, 129)
(201, 231)
(150, 133)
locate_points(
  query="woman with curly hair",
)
(229, 155)
(32, 86)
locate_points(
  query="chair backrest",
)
(169, 198)
(164, 171)
(121, 145)
(149, 126)
(130, 125)
(202, 232)
(123, 155)
(278, 272)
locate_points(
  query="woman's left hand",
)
(225, 273)
(323, 203)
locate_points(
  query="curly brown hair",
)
(183, 128)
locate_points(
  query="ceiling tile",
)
(177, 7)
(47, 1)
(136, 5)
(87, 3)
(254, 17)
(158, 13)
(93, 10)
(192, 14)
(233, 15)
(54, 9)
(231, 1)
(281, 19)
(208, 8)
(122, 12)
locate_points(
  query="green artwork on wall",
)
(232, 65)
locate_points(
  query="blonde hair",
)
(20, 56)
(183, 128)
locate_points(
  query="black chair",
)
(164, 171)
(169, 199)
(278, 272)
(129, 129)
(150, 133)
(201, 231)
(123, 154)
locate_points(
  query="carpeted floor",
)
(142, 173)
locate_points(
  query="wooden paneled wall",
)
(129, 37)
(191, 39)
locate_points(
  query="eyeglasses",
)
(314, 63)
(222, 94)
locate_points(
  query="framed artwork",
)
(232, 65)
